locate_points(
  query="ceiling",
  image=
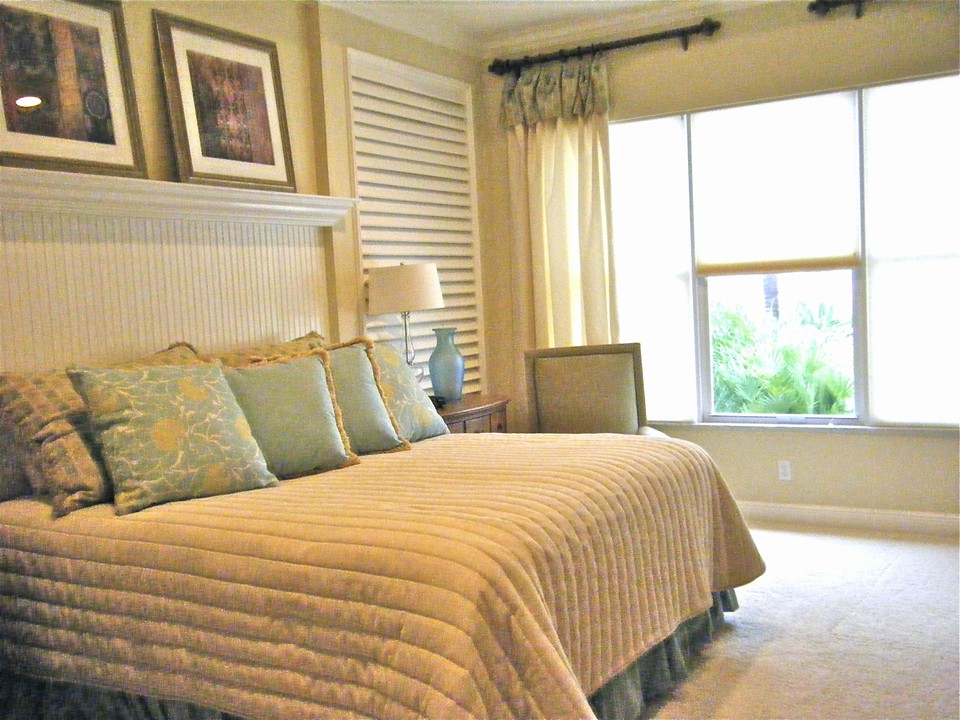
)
(486, 28)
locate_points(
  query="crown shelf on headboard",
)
(101, 269)
(48, 191)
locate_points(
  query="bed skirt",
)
(623, 698)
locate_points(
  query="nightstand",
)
(476, 413)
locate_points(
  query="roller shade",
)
(777, 186)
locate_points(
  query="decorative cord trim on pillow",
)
(49, 426)
(293, 414)
(170, 433)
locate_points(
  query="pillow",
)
(268, 352)
(170, 433)
(410, 405)
(369, 425)
(292, 415)
(49, 425)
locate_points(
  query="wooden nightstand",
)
(476, 413)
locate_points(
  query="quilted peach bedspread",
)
(475, 576)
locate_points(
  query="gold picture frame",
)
(225, 103)
(69, 59)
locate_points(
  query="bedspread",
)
(475, 576)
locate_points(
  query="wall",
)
(773, 50)
(311, 42)
(769, 50)
(335, 33)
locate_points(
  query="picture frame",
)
(225, 103)
(70, 59)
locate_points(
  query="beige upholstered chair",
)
(589, 388)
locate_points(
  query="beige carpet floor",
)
(841, 627)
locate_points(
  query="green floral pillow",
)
(405, 399)
(292, 415)
(48, 424)
(170, 433)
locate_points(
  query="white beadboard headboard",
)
(101, 269)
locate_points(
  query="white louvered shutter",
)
(414, 169)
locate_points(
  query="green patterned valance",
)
(572, 88)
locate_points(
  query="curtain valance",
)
(572, 88)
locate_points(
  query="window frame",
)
(861, 415)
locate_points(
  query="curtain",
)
(560, 202)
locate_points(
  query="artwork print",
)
(65, 88)
(76, 101)
(225, 105)
(231, 109)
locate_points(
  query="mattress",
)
(474, 576)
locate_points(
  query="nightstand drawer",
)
(476, 413)
(477, 425)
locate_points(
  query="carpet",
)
(841, 627)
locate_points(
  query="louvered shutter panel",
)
(414, 169)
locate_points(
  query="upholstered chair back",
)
(592, 388)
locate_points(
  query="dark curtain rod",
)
(822, 7)
(707, 27)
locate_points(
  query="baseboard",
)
(895, 521)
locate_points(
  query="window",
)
(791, 260)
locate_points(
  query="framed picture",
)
(225, 105)
(65, 88)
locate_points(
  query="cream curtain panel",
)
(560, 194)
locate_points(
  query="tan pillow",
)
(49, 424)
(267, 352)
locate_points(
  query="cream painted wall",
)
(311, 45)
(334, 33)
(879, 469)
(771, 50)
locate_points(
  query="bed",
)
(452, 576)
(416, 574)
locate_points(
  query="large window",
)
(794, 261)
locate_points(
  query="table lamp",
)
(404, 289)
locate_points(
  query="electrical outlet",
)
(785, 470)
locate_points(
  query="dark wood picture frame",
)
(225, 103)
(71, 56)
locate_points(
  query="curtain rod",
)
(822, 7)
(707, 27)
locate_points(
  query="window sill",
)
(892, 430)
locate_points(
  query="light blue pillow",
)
(405, 399)
(292, 415)
(170, 433)
(369, 425)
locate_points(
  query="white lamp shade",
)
(402, 288)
